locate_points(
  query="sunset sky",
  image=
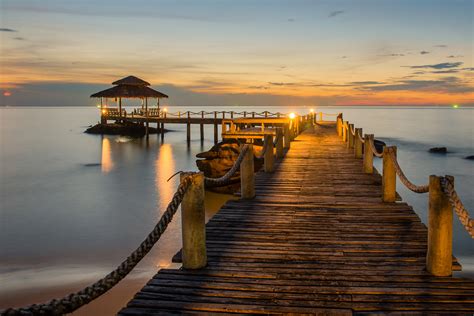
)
(260, 52)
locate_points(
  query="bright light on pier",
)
(292, 115)
(455, 106)
(311, 110)
(165, 110)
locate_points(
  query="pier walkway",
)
(316, 239)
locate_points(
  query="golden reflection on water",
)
(165, 167)
(106, 161)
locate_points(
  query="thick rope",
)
(351, 128)
(73, 301)
(374, 150)
(458, 207)
(410, 185)
(361, 139)
(225, 178)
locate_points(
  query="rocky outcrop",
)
(220, 159)
(438, 150)
(124, 129)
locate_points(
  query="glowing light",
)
(455, 106)
(7, 93)
(292, 115)
(165, 110)
(104, 111)
(311, 110)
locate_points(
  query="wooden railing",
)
(442, 198)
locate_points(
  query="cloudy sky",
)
(259, 52)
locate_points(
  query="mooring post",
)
(344, 131)
(279, 144)
(286, 136)
(193, 223)
(440, 230)
(350, 136)
(389, 176)
(268, 159)
(358, 143)
(247, 177)
(188, 128)
(216, 139)
(339, 124)
(320, 116)
(368, 154)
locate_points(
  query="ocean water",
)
(73, 205)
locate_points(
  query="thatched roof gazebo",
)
(130, 87)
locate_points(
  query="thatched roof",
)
(129, 87)
(131, 80)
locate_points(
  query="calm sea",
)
(74, 205)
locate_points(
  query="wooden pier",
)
(316, 239)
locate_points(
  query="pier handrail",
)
(401, 175)
(457, 205)
(389, 155)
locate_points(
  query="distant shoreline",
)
(468, 106)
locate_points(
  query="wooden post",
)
(320, 116)
(188, 128)
(368, 154)
(286, 136)
(120, 108)
(440, 230)
(279, 144)
(268, 159)
(350, 137)
(216, 137)
(247, 178)
(344, 131)
(339, 126)
(253, 114)
(389, 177)
(193, 223)
(358, 143)
(162, 127)
(231, 114)
(201, 127)
(146, 119)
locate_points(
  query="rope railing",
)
(457, 205)
(225, 178)
(410, 185)
(361, 139)
(374, 150)
(352, 129)
(73, 301)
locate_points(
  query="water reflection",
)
(165, 166)
(106, 160)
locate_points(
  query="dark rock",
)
(124, 129)
(220, 159)
(379, 145)
(438, 150)
(92, 164)
(471, 157)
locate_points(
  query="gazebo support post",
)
(201, 127)
(120, 109)
(146, 117)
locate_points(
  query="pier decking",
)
(316, 239)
